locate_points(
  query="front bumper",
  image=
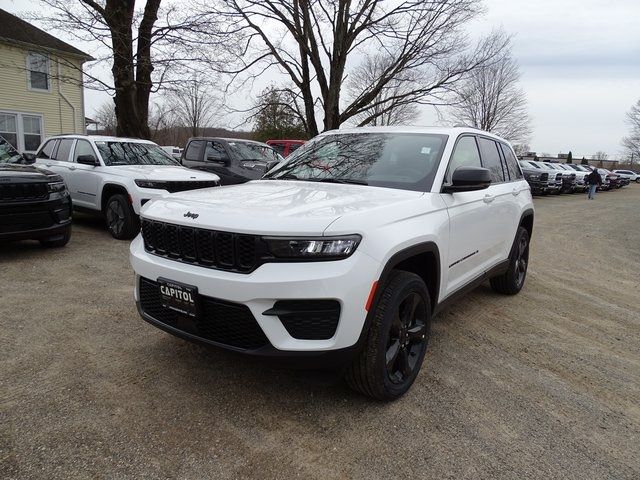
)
(348, 281)
(35, 220)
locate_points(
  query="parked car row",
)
(546, 178)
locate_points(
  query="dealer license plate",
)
(179, 297)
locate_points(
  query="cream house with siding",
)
(41, 91)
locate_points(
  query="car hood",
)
(26, 173)
(160, 172)
(273, 207)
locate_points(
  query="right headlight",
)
(320, 248)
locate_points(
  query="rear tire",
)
(396, 342)
(122, 221)
(57, 241)
(512, 281)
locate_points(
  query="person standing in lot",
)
(594, 180)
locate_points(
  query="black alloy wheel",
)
(396, 340)
(522, 260)
(512, 281)
(407, 338)
(115, 217)
(122, 221)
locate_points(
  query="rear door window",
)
(48, 150)
(491, 159)
(64, 149)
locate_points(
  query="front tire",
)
(512, 281)
(122, 221)
(396, 342)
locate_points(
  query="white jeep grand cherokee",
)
(341, 255)
(116, 176)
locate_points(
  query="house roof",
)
(15, 30)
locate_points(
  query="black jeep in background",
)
(234, 160)
(34, 202)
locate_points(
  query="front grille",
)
(308, 319)
(213, 249)
(194, 185)
(21, 222)
(544, 177)
(18, 192)
(219, 321)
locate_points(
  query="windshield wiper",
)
(339, 180)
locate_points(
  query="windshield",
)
(133, 153)
(8, 154)
(395, 160)
(253, 151)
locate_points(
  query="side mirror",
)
(29, 158)
(468, 179)
(271, 166)
(88, 160)
(225, 161)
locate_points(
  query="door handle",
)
(72, 168)
(488, 198)
(48, 164)
(515, 192)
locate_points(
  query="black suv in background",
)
(34, 202)
(234, 160)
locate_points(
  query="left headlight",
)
(56, 187)
(321, 248)
(151, 184)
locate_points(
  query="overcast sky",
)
(580, 63)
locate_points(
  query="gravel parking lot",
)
(542, 385)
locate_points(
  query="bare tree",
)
(313, 41)
(389, 107)
(600, 156)
(521, 148)
(105, 115)
(490, 99)
(193, 104)
(144, 45)
(631, 142)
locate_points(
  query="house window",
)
(22, 130)
(38, 71)
(9, 128)
(32, 132)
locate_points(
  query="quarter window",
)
(193, 151)
(38, 71)
(465, 154)
(491, 159)
(9, 128)
(511, 162)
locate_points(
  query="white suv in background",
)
(341, 255)
(630, 174)
(116, 176)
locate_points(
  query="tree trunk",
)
(131, 93)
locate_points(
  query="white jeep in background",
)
(630, 174)
(341, 255)
(116, 176)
